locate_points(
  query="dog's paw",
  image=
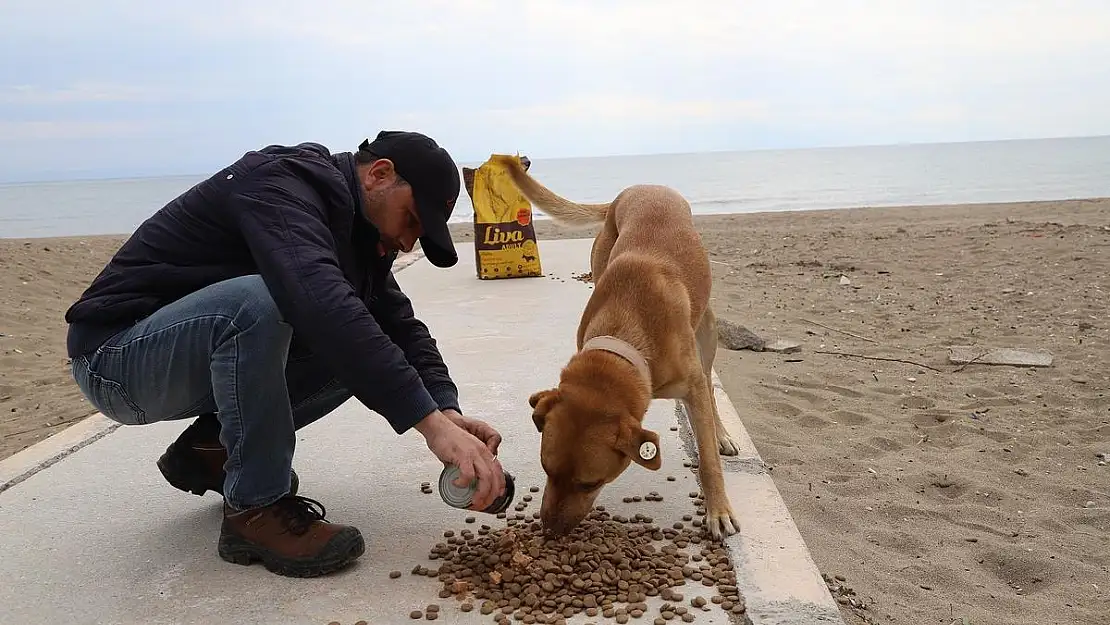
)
(721, 521)
(726, 445)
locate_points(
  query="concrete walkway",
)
(90, 532)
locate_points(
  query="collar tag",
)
(648, 450)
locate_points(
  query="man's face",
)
(389, 205)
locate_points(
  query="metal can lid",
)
(455, 496)
(503, 502)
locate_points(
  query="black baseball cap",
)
(434, 178)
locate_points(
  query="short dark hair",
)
(366, 157)
(363, 157)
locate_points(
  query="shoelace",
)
(299, 513)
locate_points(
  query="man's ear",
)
(541, 403)
(641, 445)
(381, 169)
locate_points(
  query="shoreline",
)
(938, 492)
(465, 228)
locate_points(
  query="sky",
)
(131, 88)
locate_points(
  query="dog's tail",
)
(558, 208)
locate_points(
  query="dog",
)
(647, 332)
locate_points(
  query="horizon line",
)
(465, 162)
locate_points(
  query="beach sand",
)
(938, 493)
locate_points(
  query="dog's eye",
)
(587, 487)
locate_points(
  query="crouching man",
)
(259, 301)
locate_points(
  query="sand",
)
(938, 494)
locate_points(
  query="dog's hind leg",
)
(603, 247)
(707, 351)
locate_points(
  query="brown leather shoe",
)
(290, 537)
(195, 461)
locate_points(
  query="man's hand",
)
(453, 444)
(481, 429)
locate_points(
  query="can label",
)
(463, 496)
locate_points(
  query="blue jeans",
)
(223, 349)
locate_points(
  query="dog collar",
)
(623, 349)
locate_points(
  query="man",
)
(262, 299)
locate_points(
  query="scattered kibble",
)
(608, 566)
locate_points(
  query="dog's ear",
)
(641, 445)
(541, 403)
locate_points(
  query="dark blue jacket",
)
(293, 215)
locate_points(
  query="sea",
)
(713, 182)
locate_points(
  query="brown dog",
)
(646, 333)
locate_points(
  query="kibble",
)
(415, 614)
(607, 567)
(394, 574)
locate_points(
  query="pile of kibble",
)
(607, 567)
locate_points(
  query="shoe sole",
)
(344, 548)
(175, 475)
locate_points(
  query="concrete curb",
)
(774, 570)
(27, 462)
(23, 464)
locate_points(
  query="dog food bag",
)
(504, 236)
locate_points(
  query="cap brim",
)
(436, 241)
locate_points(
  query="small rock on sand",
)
(736, 337)
(783, 346)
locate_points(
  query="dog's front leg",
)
(719, 517)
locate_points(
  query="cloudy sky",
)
(131, 87)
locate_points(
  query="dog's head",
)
(590, 432)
